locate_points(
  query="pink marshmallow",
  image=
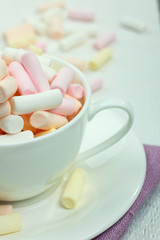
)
(66, 108)
(25, 84)
(104, 40)
(96, 84)
(42, 46)
(63, 79)
(83, 15)
(75, 90)
(35, 71)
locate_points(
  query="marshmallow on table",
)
(49, 15)
(41, 45)
(35, 71)
(5, 209)
(46, 120)
(104, 40)
(40, 101)
(8, 87)
(66, 108)
(133, 24)
(100, 59)
(27, 125)
(35, 22)
(18, 31)
(83, 15)
(46, 6)
(73, 40)
(75, 90)
(5, 109)
(77, 107)
(96, 84)
(10, 223)
(35, 49)
(79, 63)
(23, 41)
(25, 85)
(74, 188)
(56, 28)
(91, 29)
(44, 132)
(3, 69)
(11, 124)
(16, 138)
(49, 72)
(63, 79)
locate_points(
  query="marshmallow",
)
(91, 29)
(8, 87)
(35, 71)
(73, 40)
(133, 24)
(77, 107)
(66, 108)
(75, 90)
(35, 22)
(11, 124)
(46, 120)
(44, 132)
(35, 49)
(5, 109)
(100, 59)
(74, 188)
(104, 40)
(16, 138)
(3, 69)
(10, 223)
(82, 15)
(5, 209)
(40, 101)
(18, 31)
(50, 14)
(23, 41)
(7, 54)
(18, 54)
(79, 63)
(25, 85)
(96, 84)
(45, 6)
(49, 72)
(27, 125)
(63, 79)
(41, 45)
(44, 60)
(56, 28)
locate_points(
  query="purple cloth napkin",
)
(151, 182)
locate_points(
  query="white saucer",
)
(115, 178)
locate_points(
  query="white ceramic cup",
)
(29, 168)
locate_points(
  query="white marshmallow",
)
(39, 26)
(49, 72)
(14, 138)
(12, 124)
(40, 101)
(133, 24)
(91, 29)
(44, 60)
(73, 40)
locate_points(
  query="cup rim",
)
(69, 124)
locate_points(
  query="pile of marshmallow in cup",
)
(50, 92)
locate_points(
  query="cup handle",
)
(96, 108)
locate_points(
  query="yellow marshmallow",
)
(35, 49)
(101, 58)
(22, 42)
(10, 223)
(44, 132)
(74, 188)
